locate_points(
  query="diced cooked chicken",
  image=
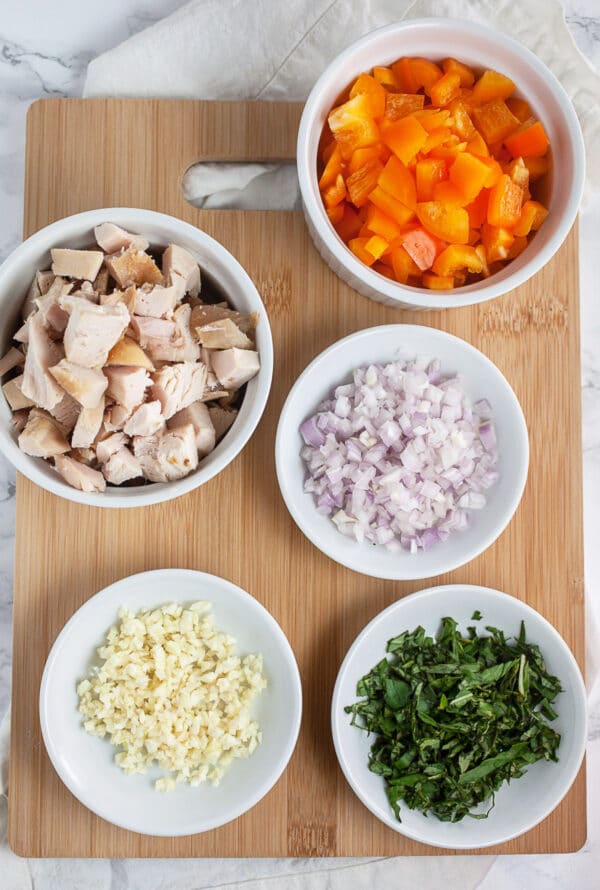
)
(83, 264)
(157, 336)
(168, 455)
(39, 287)
(121, 466)
(101, 282)
(222, 419)
(234, 367)
(42, 436)
(133, 267)
(88, 426)
(127, 385)
(189, 351)
(86, 385)
(22, 334)
(127, 297)
(223, 334)
(80, 476)
(159, 301)
(14, 358)
(177, 261)
(19, 420)
(38, 384)
(105, 448)
(207, 313)
(14, 394)
(112, 238)
(84, 455)
(128, 352)
(177, 386)
(115, 417)
(54, 317)
(92, 330)
(145, 420)
(66, 413)
(197, 414)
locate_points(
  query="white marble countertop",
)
(45, 49)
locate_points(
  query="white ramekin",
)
(76, 231)
(437, 38)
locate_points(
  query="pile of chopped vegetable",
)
(456, 717)
(425, 172)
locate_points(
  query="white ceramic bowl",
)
(527, 800)
(436, 38)
(16, 274)
(482, 379)
(86, 763)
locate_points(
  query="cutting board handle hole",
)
(226, 185)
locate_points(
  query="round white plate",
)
(523, 803)
(86, 764)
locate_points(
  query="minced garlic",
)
(172, 691)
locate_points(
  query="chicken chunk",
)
(92, 331)
(223, 334)
(145, 420)
(158, 301)
(207, 313)
(127, 385)
(88, 426)
(157, 336)
(11, 359)
(133, 267)
(127, 297)
(115, 417)
(38, 384)
(234, 367)
(76, 263)
(42, 436)
(86, 385)
(177, 386)
(197, 414)
(177, 261)
(121, 466)
(14, 394)
(222, 419)
(112, 238)
(189, 351)
(38, 288)
(54, 317)
(128, 352)
(19, 420)
(78, 475)
(66, 413)
(105, 448)
(101, 282)
(169, 455)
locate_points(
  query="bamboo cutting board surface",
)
(83, 154)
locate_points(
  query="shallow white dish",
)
(16, 274)
(482, 379)
(86, 764)
(528, 800)
(482, 47)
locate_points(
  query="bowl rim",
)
(285, 485)
(145, 495)
(172, 574)
(404, 295)
(494, 594)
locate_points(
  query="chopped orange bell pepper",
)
(379, 223)
(403, 265)
(469, 174)
(437, 137)
(518, 172)
(405, 138)
(532, 216)
(399, 182)
(362, 156)
(531, 142)
(520, 108)
(481, 253)
(350, 224)
(405, 78)
(421, 247)
(504, 207)
(463, 125)
(432, 118)
(336, 214)
(376, 246)
(363, 181)
(335, 194)
(449, 149)
(438, 282)
(444, 90)
(477, 210)
(477, 146)
(448, 193)
(386, 77)
(428, 173)
(497, 242)
(494, 120)
(398, 105)
(453, 66)
(383, 269)
(352, 125)
(537, 167)
(455, 257)
(491, 85)
(494, 172)
(517, 247)
(391, 206)
(332, 169)
(373, 90)
(425, 73)
(446, 221)
(357, 246)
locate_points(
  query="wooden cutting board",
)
(83, 154)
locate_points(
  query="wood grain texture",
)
(83, 154)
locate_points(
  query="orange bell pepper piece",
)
(517, 247)
(405, 138)
(497, 242)
(447, 193)
(332, 168)
(438, 282)
(491, 85)
(446, 221)
(531, 142)
(469, 174)
(349, 225)
(463, 125)
(433, 118)
(380, 223)
(336, 214)
(391, 206)
(421, 247)
(425, 73)
(335, 194)
(399, 182)
(383, 269)
(399, 105)
(386, 77)
(453, 66)
(437, 137)
(444, 90)
(428, 173)
(477, 210)
(358, 248)
(532, 216)
(449, 149)
(455, 257)
(537, 167)
(494, 120)
(504, 207)
(376, 245)
(352, 125)
(362, 156)
(360, 183)
(520, 108)
(373, 90)
(518, 172)
(481, 253)
(477, 146)
(403, 265)
(404, 76)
